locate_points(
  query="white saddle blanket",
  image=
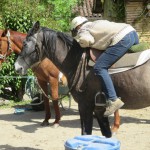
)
(144, 57)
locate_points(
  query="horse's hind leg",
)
(116, 124)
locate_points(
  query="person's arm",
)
(84, 38)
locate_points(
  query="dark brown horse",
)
(45, 72)
(66, 53)
(132, 85)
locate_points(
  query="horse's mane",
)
(4, 32)
(49, 38)
(66, 38)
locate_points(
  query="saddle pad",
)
(130, 60)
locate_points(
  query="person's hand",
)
(83, 43)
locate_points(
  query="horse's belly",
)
(133, 86)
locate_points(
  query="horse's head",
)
(42, 42)
(10, 42)
(30, 54)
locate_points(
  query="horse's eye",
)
(24, 43)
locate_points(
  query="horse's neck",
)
(75, 62)
(1, 32)
(17, 41)
(65, 53)
(15, 48)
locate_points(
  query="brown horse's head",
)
(9, 44)
(3, 49)
(7, 47)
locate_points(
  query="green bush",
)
(7, 74)
(17, 22)
(16, 16)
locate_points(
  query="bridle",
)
(9, 49)
(39, 54)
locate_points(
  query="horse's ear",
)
(4, 32)
(36, 26)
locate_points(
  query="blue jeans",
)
(108, 58)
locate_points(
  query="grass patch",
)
(12, 104)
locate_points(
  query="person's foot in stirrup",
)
(112, 106)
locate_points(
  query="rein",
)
(49, 96)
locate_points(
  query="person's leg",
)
(106, 60)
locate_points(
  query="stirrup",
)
(102, 100)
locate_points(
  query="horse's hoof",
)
(113, 134)
(55, 125)
(114, 129)
(45, 123)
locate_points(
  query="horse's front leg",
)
(44, 87)
(116, 124)
(86, 118)
(103, 121)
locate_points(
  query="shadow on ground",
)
(35, 119)
(8, 147)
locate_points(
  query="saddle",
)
(128, 60)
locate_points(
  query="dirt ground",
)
(23, 132)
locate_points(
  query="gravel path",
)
(23, 132)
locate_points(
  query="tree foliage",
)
(19, 15)
(114, 10)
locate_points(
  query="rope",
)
(43, 92)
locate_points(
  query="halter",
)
(9, 46)
(39, 53)
(35, 64)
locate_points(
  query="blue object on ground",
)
(19, 110)
(91, 142)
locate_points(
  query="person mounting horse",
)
(114, 39)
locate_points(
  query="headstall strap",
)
(8, 33)
(9, 46)
(9, 41)
(2, 56)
